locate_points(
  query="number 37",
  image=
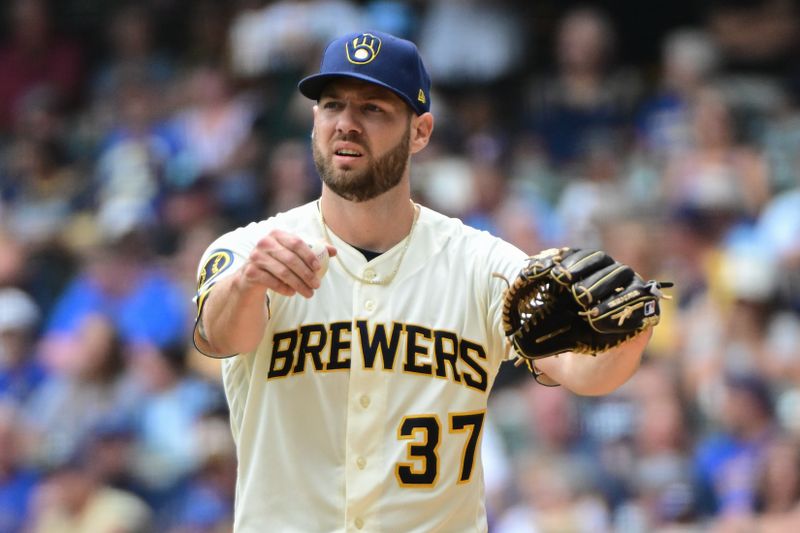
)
(424, 435)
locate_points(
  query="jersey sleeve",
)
(504, 262)
(224, 257)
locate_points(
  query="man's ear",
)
(421, 130)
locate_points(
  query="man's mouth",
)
(347, 153)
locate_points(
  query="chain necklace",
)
(374, 281)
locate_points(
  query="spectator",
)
(14, 260)
(587, 98)
(661, 482)
(73, 500)
(275, 37)
(779, 483)
(453, 38)
(776, 230)
(554, 421)
(291, 178)
(41, 272)
(778, 493)
(528, 223)
(728, 461)
(134, 154)
(33, 56)
(556, 499)
(17, 480)
(205, 505)
(490, 188)
(87, 389)
(20, 372)
(780, 138)
(593, 194)
(111, 444)
(689, 62)
(744, 330)
(718, 172)
(207, 42)
(214, 135)
(173, 402)
(40, 188)
(131, 53)
(122, 282)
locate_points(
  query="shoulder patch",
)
(217, 262)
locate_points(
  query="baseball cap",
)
(378, 58)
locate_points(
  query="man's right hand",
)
(234, 315)
(284, 263)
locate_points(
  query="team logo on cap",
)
(363, 49)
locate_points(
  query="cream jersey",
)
(362, 408)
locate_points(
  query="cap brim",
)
(312, 86)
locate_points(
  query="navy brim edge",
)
(311, 86)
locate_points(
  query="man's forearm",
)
(596, 375)
(233, 318)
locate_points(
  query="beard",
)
(361, 185)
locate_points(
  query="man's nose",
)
(347, 121)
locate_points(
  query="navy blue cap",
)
(378, 58)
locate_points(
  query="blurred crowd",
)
(133, 133)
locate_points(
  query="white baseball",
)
(321, 251)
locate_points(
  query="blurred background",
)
(668, 133)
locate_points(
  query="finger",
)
(303, 258)
(297, 255)
(277, 285)
(284, 265)
(300, 248)
(257, 275)
(331, 250)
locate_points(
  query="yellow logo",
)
(363, 49)
(421, 96)
(218, 262)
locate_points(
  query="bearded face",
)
(367, 182)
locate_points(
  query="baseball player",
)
(358, 397)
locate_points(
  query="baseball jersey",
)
(362, 408)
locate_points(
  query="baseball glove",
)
(572, 300)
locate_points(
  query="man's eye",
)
(331, 105)
(373, 108)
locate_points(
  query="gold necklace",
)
(374, 281)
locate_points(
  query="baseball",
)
(321, 251)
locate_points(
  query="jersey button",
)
(364, 401)
(369, 305)
(361, 462)
(369, 274)
(359, 523)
